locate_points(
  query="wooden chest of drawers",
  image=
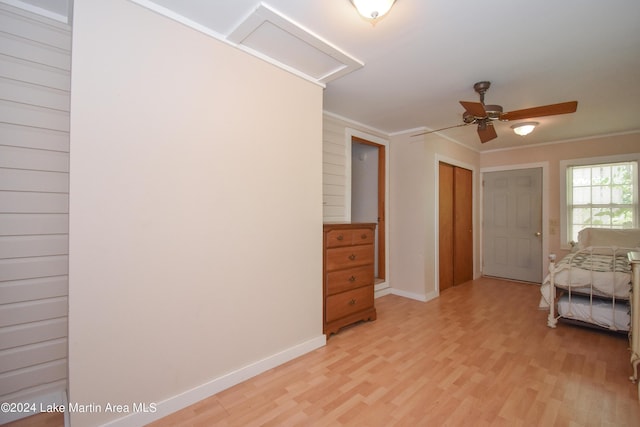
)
(348, 269)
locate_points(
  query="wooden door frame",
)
(382, 254)
(445, 223)
(546, 227)
(382, 238)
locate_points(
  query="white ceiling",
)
(425, 55)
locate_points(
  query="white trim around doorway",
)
(381, 288)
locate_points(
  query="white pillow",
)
(621, 238)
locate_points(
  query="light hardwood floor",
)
(480, 355)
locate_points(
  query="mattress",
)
(601, 312)
(607, 274)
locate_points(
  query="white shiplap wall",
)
(35, 62)
(334, 170)
(337, 133)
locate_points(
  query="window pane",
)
(581, 195)
(622, 217)
(581, 216)
(601, 216)
(601, 175)
(581, 176)
(600, 195)
(621, 195)
(622, 174)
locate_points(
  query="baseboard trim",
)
(381, 289)
(189, 397)
(412, 295)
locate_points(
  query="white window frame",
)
(564, 164)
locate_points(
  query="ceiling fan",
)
(483, 115)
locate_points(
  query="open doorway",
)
(368, 194)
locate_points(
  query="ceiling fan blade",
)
(545, 110)
(475, 108)
(438, 130)
(487, 132)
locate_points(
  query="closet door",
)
(455, 225)
(462, 226)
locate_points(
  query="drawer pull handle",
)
(364, 236)
(352, 278)
(352, 257)
(352, 302)
(340, 237)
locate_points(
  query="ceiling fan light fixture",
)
(525, 128)
(372, 9)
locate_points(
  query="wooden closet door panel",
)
(463, 226)
(445, 225)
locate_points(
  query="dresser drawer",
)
(344, 280)
(362, 236)
(346, 303)
(358, 236)
(347, 257)
(337, 238)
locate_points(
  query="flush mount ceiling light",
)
(372, 9)
(525, 128)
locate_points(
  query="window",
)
(601, 195)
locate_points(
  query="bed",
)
(591, 285)
(634, 335)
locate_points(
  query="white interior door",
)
(512, 224)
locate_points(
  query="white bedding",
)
(600, 312)
(607, 274)
(590, 273)
(598, 266)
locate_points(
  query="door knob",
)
(538, 234)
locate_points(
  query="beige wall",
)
(553, 154)
(413, 197)
(413, 205)
(413, 200)
(195, 213)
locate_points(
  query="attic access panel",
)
(269, 34)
